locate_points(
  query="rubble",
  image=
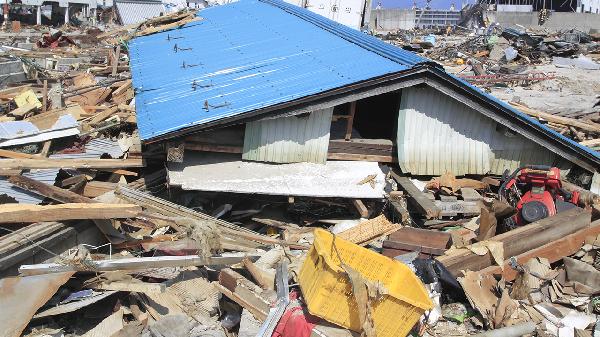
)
(217, 173)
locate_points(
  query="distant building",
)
(589, 6)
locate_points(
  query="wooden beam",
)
(136, 287)
(213, 148)
(45, 96)
(116, 61)
(553, 251)
(362, 210)
(243, 292)
(49, 191)
(350, 120)
(16, 155)
(590, 142)
(131, 264)
(22, 213)
(520, 240)
(587, 125)
(361, 157)
(22, 164)
(416, 198)
(96, 188)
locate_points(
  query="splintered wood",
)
(370, 230)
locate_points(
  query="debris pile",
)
(184, 176)
(531, 70)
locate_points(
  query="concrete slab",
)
(228, 173)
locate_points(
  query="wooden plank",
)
(587, 126)
(73, 180)
(213, 148)
(369, 230)
(102, 115)
(136, 287)
(131, 264)
(361, 157)
(416, 198)
(116, 61)
(21, 164)
(422, 237)
(20, 213)
(553, 251)
(49, 191)
(590, 142)
(350, 120)
(520, 240)
(243, 292)
(45, 96)
(362, 210)
(96, 188)
(16, 155)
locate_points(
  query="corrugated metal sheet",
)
(25, 197)
(244, 56)
(24, 132)
(131, 12)
(303, 138)
(595, 183)
(438, 134)
(94, 149)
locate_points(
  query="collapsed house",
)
(258, 83)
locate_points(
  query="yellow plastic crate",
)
(328, 292)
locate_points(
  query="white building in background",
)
(589, 6)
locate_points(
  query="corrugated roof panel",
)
(289, 139)
(241, 57)
(131, 12)
(438, 134)
(47, 176)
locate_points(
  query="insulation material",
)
(226, 173)
(438, 134)
(301, 138)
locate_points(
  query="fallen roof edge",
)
(582, 156)
(284, 107)
(361, 39)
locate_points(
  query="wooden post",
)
(116, 61)
(350, 120)
(44, 93)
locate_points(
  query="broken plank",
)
(587, 126)
(361, 157)
(16, 155)
(520, 240)
(49, 191)
(21, 164)
(136, 287)
(417, 199)
(132, 264)
(96, 188)
(18, 213)
(553, 251)
(362, 210)
(243, 292)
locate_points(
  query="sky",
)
(435, 4)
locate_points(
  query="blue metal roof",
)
(245, 56)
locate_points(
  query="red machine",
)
(536, 192)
